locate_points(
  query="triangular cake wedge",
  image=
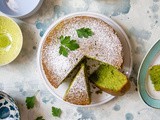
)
(110, 80)
(78, 91)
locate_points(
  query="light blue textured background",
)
(140, 20)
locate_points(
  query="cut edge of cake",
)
(74, 70)
(103, 62)
(52, 81)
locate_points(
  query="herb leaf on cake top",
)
(64, 51)
(72, 45)
(84, 32)
(67, 44)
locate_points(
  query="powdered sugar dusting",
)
(104, 45)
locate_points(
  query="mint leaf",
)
(64, 51)
(40, 118)
(72, 45)
(56, 112)
(84, 32)
(30, 102)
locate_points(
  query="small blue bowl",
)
(20, 8)
(8, 108)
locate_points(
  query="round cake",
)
(103, 46)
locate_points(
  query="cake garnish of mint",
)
(154, 73)
(68, 44)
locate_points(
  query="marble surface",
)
(141, 21)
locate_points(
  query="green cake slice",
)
(110, 80)
(78, 91)
(154, 72)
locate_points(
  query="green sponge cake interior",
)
(154, 72)
(78, 91)
(110, 80)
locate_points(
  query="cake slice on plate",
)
(78, 91)
(154, 72)
(110, 80)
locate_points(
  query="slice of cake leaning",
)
(78, 91)
(110, 80)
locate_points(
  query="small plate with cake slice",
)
(85, 59)
(149, 77)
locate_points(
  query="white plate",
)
(97, 99)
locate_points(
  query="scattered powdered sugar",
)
(104, 46)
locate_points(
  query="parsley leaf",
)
(64, 51)
(66, 45)
(72, 45)
(65, 40)
(84, 32)
(56, 112)
(30, 102)
(40, 118)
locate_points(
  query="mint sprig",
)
(67, 45)
(84, 32)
